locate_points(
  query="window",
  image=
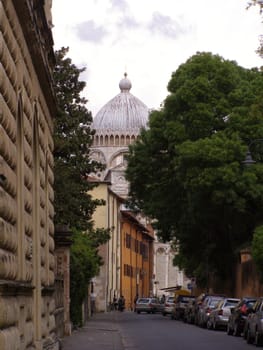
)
(128, 240)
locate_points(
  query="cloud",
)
(119, 4)
(165, 25)
(128, 22)
(89, 31)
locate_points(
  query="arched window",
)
(122, 140)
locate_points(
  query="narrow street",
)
(127, 330)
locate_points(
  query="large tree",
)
(72, 141)
(186, 170)
(74, 206)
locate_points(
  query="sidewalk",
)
(100, 333)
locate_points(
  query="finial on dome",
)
(125, 84)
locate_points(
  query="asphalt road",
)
(156, 332)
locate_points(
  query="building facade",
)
(27, 109)
(137, 259)
(166, 275)
(125, 268)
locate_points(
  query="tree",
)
(186, 170)
(73, 204)
(85, 263)
(258, 3)
(72, 139)
(257, 249)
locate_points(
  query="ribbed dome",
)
(124, 113)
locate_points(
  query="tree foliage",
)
(85, 263)
(259, 4)
(72, 139)
(186, 170)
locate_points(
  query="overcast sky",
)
(149, 39)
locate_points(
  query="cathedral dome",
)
(124, 114)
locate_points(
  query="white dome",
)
(124, 113)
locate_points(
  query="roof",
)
(132, 218)
(124, 113)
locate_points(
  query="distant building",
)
(27, 109)
(129, 256)
(166, 275)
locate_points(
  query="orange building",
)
(136, 258)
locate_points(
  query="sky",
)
(150, 39)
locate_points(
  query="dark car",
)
(180, 304)
(189, 312)
(254, 330)
(238, 316)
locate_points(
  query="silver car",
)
(149, 305)
(168, 306)
(218, 317)
(209, 303)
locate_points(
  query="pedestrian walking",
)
(92, 303)
(135, 301)
(115, 302)
(121, 303)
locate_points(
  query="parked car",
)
(189, 312)
(238, 316)
(204, 309)
(168, 306)
(218, 317)
(149, 305)
(180, 304)
(254, 331)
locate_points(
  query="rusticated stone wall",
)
(27, 108)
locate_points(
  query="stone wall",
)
(27, 261)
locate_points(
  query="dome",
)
(125, 113)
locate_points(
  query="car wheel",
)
(138, 312)
(229, 330)
(236, 332)
(209, 324)
(164, 314)
(214, 326)
(249, 338)
(258, 339)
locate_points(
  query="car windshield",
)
(214, 302)
(170, 300)
(185, 300)
(250, 303)
(143, 301)
(231, 303)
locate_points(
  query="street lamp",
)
(249, 160)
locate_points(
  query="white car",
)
(168, 306)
